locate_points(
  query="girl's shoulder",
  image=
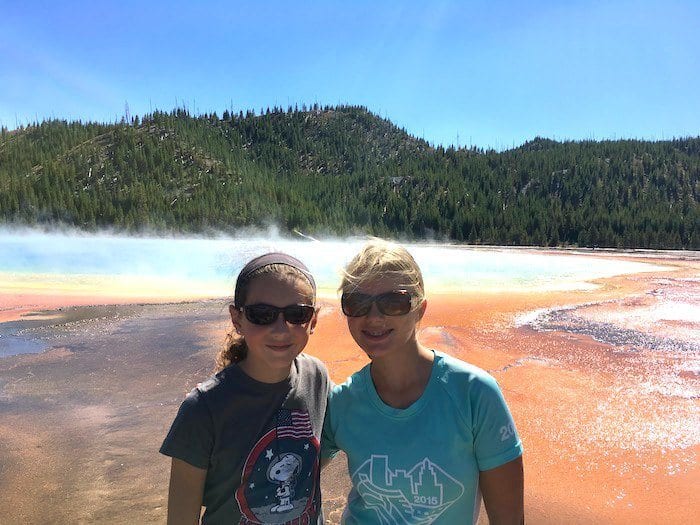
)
(308, 363)
(226, 383)
(211, 383)
(220, 380)
(311, 370)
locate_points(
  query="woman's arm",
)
(186, 493)
(502, 490)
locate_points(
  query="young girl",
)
(424, 433)
(245, 443)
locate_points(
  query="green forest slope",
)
(342, 170)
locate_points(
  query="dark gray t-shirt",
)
(259, 443)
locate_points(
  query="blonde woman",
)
(426, 435)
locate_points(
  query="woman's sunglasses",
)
(263, 314)
(357, 304)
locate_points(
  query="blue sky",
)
(483, 73)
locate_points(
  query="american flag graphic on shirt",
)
(294, 424)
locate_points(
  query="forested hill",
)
(342, 170)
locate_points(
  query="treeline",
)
(343, 170)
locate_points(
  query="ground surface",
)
(610, 431)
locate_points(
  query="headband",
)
(266, 260)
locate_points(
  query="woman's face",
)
(381, 335)
(273, 347)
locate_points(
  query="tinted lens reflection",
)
(298, 314)
(394, 303)
(356, 304)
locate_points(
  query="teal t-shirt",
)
(420, 465)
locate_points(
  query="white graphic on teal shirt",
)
(400, 497)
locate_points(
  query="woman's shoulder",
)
(354, 385)
(453, 372)
(457, 365)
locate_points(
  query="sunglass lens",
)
(298, 313)
(264, 314)
(356, 304)
(261, 313)
(394, 303)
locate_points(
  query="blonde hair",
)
(380, 258)
(235, 348)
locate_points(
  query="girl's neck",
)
(263, 374)
(401, 379)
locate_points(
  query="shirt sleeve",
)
(496, 440)
(191, 436)
(329, 448)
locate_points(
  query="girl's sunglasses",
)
(357, 304)
(263, 314)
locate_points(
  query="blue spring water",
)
(189, 261)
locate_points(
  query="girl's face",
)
(273, 347)
(382, 335)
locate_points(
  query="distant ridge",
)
(344, 170)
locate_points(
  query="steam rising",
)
(199, 267)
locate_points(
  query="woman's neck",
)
(400, 380)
